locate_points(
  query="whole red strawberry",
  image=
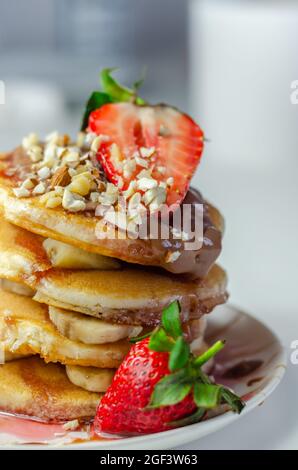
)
(123, 408)
(160, 384)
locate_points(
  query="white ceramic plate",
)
(252, 363)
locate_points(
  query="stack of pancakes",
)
(70, 301)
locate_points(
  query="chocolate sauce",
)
(196, 263)
(242, 369)
(256, 380)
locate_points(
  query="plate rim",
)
(218, 422)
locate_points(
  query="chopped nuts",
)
(147, 152)
(49, 158)
(159, 199)
(146, 183)
(27, 184)
(21, 192)
(71, 425)
(144, 174)
(72, 202)
(142, 162)
(161, 169)
(129, 167)
(61, 177)
(96, 143)
(149, 196)
(56, 139)
(116, 155)
(29, 141)
(80, 184)
(81, 139)
(44, 173)
(134, 202)
(90, 136)
(68, 174)
(39, 189)
(35, 153)
(61, 151)
(94, 196)
(130, 190)
(71, 157)
(53, 202)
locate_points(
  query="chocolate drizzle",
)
(195, 263)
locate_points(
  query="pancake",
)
(83, 230)
(130, 295)
(23, 253)
(8, 356)
(25, 327)
(29, 387)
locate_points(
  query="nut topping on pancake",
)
(63, 174)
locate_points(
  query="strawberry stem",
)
(207, 355)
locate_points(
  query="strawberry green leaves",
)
(179, 355)
(119, 93)
(232, 400)
(169, 338)
(170, 390)
(163, 338)
(112, 92)
(206, 395)
(171, 320)
(207, 355)
(96, 100)
(160, 341)
(135, 339)
(186, 375)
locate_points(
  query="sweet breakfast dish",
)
(108, 271)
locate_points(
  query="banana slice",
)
(90, 378)
(66, 256)
(89, 330)
(16, 288)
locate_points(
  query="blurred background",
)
(230, 63)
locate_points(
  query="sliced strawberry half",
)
(175, 140)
